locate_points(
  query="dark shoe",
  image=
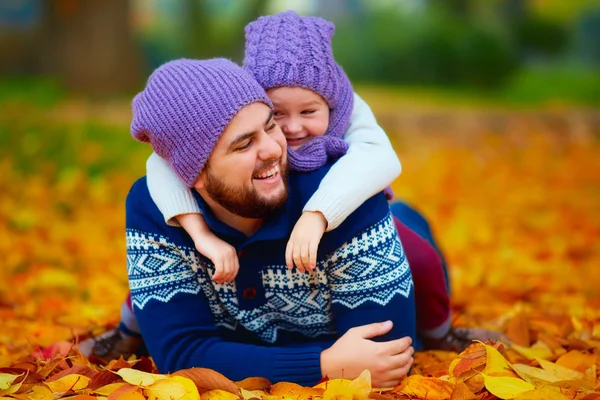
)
(458, 339)
(110, 345)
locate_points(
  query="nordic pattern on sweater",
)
(371, 267)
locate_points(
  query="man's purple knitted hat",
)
(185, 107)
(289, 50)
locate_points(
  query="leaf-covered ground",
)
(517, 215)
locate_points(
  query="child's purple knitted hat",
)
(289, 50)
(185, 107)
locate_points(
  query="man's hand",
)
(304, 241)
(354, 352)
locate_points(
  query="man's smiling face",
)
(246, 173)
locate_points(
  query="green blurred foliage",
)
(427, 48)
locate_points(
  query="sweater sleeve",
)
(172, 306)
(370, 281)
(369, 166)
(171, 195)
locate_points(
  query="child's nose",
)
(291, 125)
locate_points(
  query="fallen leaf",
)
(174, 387)
(107, 390)
(577, 360)
(139, 378)
(545, 393)
(125, 391)
(218, 394)
(496, 364)
(288, 389)
(103, 378)
(563, 373)
(532, 353)
(208, 379)
(358, 389)
(252, 394)
(69, 382)
(506, 387)
(461, 392)
(517, 330)
(6, 380)
(536, 376)
(422, 387)
(254, 383)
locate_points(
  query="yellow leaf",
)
(139, 378)
(131, 396)
(69, 382)
(6, 380)
(565, 374)
(40, 393)
(218, 394)
(337, 381)
(357, 389)
(535, 376)
(108, 389)
(495, 361)
(252, 394)
(532, 353)
(506, 387)
(545, 393)
(176, 387)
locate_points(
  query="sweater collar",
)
(276, 226)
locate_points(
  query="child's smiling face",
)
(301, 113)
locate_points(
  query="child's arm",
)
(179, 208)
(169, 193)
(369, 166)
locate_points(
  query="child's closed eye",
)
(307, 112)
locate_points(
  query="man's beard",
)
(245, 201)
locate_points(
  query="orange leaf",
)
(422, 387)
(517, 330)
(254, 383)
(472, 359)
(461, 392)
(287, 389)
(207, 379)
(577, 360)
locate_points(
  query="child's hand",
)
(304, 241)
(223, 256)
(221, 253)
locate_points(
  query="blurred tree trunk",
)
(89, 45)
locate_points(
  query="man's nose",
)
(270, 147)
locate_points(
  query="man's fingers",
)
(402, 359)
(372, 330)
(398, 346)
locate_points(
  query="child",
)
(291, 57)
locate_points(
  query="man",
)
(214, 124)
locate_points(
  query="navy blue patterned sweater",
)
(269, 322)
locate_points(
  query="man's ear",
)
(201, 181)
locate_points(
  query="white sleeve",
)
(369, 166)
(171, 195)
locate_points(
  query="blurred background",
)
(491, 105)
